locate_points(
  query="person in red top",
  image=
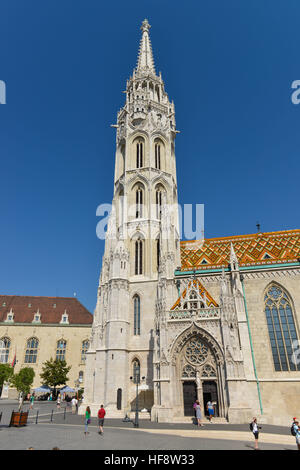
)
(101, 414)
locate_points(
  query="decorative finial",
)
(258, 227)
(145, 26)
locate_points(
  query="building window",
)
(64, 318)
(139, 203)
(10, 316)
(139, 153)
(139, 257)
(80, 377)
(193, 296)
(157, 156)
(84, 348)
(158, 201)
(136, 371)
(31, 351)
(36, 317)
(4, 350)
(61, 350)
(282, 329)
(137, 315)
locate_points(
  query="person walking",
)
(32, 401)
(255, 429)
(87, 420)
(296, 432)
(198, 413)
(210, 409)
(73, 405)
(101, 414)
(58, 402)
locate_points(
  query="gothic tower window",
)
(120, 208)
(157, 156)
(139, 203)
(31, 351)
(4, 350)
(137, 315)
(157, 93)
(139, 154)
(157, 252)
(282, 329)
(158, 202)
(151, 90)
(136, 369)
(138, 256)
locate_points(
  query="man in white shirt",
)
(74, 402)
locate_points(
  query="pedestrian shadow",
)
(250, 446)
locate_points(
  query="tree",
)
(23, 381)
(54, 373)
(6, 372)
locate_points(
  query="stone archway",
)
(197, 358)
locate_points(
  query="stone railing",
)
(213, 313)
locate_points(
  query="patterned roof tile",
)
(251, 250)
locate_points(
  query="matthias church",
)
(215, 319)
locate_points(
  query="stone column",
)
(200, 392)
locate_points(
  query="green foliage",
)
(23, 380)
(6, 373)
(54, 373)
(80, 393)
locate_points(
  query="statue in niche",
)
(198, 380)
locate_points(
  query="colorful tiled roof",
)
(51, 309)
(195, 284)
(255, 249)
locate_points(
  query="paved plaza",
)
(59, 428)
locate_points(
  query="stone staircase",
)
(142, 415)
(191, 420)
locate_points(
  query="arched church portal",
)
(199, 377)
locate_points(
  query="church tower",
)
(142, 246)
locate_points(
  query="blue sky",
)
(228, 66)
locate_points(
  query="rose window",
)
(196, 352)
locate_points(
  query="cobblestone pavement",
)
(59, 427)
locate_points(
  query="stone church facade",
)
(213, 319)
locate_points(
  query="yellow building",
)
(34, 329)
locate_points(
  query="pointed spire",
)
(233, 259)
(145, 57)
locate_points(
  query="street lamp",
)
(136, 380)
